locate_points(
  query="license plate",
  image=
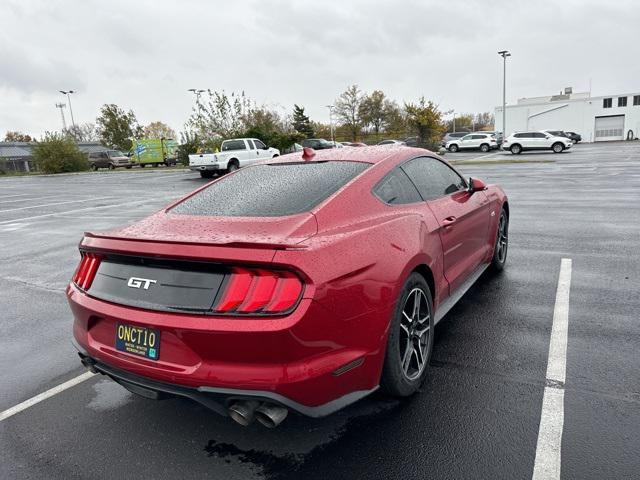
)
(141, 341)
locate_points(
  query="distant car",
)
(498, 135)
(110, 159)
(558, 133)
(473, 141)
(391, 142)
(575, 137)
(317, 143)
(235, 153)
(336, 144)
(452, 136)
(412, 141)
(357, 144)
(518, 142)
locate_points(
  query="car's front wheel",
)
(410, 339)
(557, 147)
(502, 242)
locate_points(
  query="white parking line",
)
(35, 217)
(27, 199)
(548, 450)
(52, 204)
(44, 395)
(17, 195)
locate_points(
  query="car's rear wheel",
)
(502, 242)
(484, 148)
(516, 149)
(557, 147)
(410, 339)
(233, 166)
(94, 167)
(453, 148)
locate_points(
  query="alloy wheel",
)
(502, 240)
(414, 334)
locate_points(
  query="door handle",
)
(447, 222)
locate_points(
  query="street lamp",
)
(331, 107)
(504, 54)
(64, 123)
(68, 94)
(197, 92)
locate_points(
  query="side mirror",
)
(476, 185)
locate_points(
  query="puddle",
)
(109, 396)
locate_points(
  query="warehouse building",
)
(610, 117)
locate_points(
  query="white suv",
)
(477, 141)
(518, 142)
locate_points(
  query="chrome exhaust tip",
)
(243, 411)
(271, 415)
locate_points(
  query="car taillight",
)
(259, 291)
(87, 269)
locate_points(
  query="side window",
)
(478, 137)
(396, 189)
(538, 135)
(260, 145)
(250, 143)
(433, 178)
(467, 137)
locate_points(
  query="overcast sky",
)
(144, 55)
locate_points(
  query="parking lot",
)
(479, 412)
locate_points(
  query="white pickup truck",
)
(235, 153)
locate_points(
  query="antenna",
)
(61, 106)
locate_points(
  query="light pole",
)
(331, 107)
(504, 54)
(454, 122)
(68, 94)
(64, 123)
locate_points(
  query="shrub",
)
(57, 153)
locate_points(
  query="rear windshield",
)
(271, 190)
(233, 145)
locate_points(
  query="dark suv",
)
(317, 143)
(110, 159)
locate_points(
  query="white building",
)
(611, 117)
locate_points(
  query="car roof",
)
(370, 154)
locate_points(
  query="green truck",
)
(157, 151)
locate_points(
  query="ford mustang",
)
(301, 284)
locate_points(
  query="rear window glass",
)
(271, 190)
(233, 145)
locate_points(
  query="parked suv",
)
(473, 141)
(317, 143)
(518, 142)
(575, 137)
(452, 136)
(110, 159)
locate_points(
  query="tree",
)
(301, 122)
(271, 128)
(219, 116)
(159, 130)
(425, 118)
(375, 110)
(58, 153)
(190, 142)
(117, 128)
(85, 132)
(17, 137)
(348, 110)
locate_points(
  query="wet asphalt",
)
(478, 413)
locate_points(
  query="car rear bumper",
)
(301, 360)
(202, 168)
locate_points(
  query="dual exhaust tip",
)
(245, 412)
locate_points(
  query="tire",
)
(484, 148)
(501, 245)
(128, 167)
(206, 174)
(453, 148)
(155, 165)
(276, 155)
(516, 149)
(142, 165)
(557, 147)
(232, 166)
(94, 167)
(400, 378)
(112, 166)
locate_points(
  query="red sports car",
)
(301, 284)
